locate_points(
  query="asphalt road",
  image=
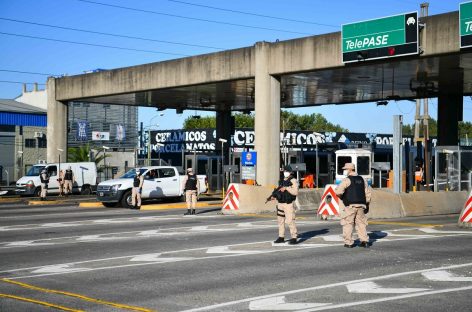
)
(73, 259)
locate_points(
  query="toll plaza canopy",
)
(307, 71)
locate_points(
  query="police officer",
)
(191, 189)
(44, 177)
(60, 180)
(355, 194)
(286, 194)
(137, 189)
(68, 181)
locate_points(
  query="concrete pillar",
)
(450, 101)
(267, 118)
(57, 125)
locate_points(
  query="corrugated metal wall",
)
(18, 119)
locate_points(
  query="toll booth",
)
(453, 168)
(361, 158)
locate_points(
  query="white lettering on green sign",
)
(367, 42)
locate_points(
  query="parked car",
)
(85, 174)
(159, 182)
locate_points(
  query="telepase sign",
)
(380, 38)
(465, 24)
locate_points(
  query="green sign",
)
(465, 23)
(380, 38)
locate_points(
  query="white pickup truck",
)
(159, 182)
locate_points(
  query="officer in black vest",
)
(44, 177)
(137, 189)
(355, 194)
(286, 194)
(68, 181)
(191, 189)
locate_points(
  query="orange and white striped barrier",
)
(465, 218)
(231, 201)
(329, 205)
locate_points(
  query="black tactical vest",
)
(68, 175)
(191, 184)
(285, 197)
(355, 193)
(136, 181)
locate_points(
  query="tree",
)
(289, 120)
(81, 154)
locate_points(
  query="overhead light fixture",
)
(196, 117)
(204, 101)
(361, 56)
(382, 103)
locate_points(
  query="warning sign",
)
(329, 202)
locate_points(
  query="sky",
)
(181, 28)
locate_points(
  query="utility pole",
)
(424, 12)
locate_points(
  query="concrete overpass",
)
(272, 75)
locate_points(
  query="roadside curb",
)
(44, 202)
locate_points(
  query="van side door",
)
(53, 186)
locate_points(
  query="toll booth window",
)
(166, 173)
(363, 165)
(201, 167)
(52, 171)
(341, 161)
(214, 166)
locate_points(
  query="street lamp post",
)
(223, 141)
(105, 148)
(60, 150)
(149, 136)
(317, 135)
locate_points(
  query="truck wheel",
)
(110, 205)
(126, 200)
(86, 190)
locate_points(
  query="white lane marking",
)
(357, 303)
(374, 288)
(27, 244)
(279, 304)
(313, 288)
(91, 222)
(332, 238)
(61, 268)
(156, 257)
(434, 231)
(143, 264)
(226, 250)
(119, 235)
(445, 276)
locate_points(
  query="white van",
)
(85, 174)
(361, 158)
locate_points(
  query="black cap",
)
(288, 168)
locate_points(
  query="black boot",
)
(193, 211)
(279, 240)
(188, 213)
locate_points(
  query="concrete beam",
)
(440, 36)
(267, 118)
(57, 125)
(214, 67)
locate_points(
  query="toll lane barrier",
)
(242, 198)
(386, 205)
(465, 218)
